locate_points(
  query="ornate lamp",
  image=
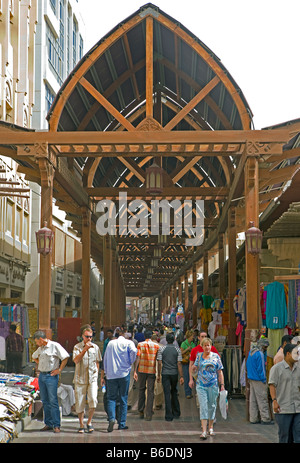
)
(253, 239)
(44, 240)
(154, 180)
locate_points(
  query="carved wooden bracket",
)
(46, 171)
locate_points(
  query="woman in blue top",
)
(210, 372)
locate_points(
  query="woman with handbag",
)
(210, 373)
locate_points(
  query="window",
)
(54, 55)
(9, 217)
(62, 29)
(74, 42)
(49, 97)
(80, 47)
(18, 224)
(53, 6)
(26, 229)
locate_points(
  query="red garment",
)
(238, 332)
(199, 348)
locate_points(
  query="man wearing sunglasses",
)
(87, 357)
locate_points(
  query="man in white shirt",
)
(87, 357)
(119, 356)
(51, 359)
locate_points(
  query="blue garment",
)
(117, 391)
(48, 390)
(276, 310)
(207, 397)
(256, 366)
(186, 377)
(119, 356)
(292, 304)
(208, 369)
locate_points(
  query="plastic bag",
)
(223, 403)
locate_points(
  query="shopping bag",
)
(223, 403)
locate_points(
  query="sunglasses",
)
(88, 336)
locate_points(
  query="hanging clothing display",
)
(232, 363)
(276, 309)
(17, 314)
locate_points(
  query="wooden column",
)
(205, 273)
(107, 264)
(86, 267)
(47, 175)
(231, 273)
(252, 261)
(186, 297)
(221, 267)
(195, 295)
(179, 291)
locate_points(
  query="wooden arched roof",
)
(107, 91)
(150, 75)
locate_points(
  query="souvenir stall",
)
(17, 395)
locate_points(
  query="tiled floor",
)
(186, 430)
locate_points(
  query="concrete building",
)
(58, 48)
(17, 68)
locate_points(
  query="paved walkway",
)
(186, 430)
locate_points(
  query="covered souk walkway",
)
(184, 431)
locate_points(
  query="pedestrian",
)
(51, 358)
(87, 358)
(201, 335)
(286, 339)
(139, 336)
(93, 327)
(14, 344)
(186, 348)
(119, 356)
(256, 372)
(209, 370)
(145, 374)
(110, 336)
(169, 365)
(284, 381)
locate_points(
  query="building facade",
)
(41, 41)
(58, 48)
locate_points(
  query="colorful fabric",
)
(147, 351)
(208, 369)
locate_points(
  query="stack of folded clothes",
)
(17, 393)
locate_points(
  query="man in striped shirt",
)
(145, 364)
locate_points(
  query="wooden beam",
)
(140, 138)
(133, 192)
(106, 104)
(191, 105)
(149, 66)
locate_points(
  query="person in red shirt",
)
(194, 352)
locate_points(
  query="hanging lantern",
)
(154, 180)
(253, 239)
(44, 240)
